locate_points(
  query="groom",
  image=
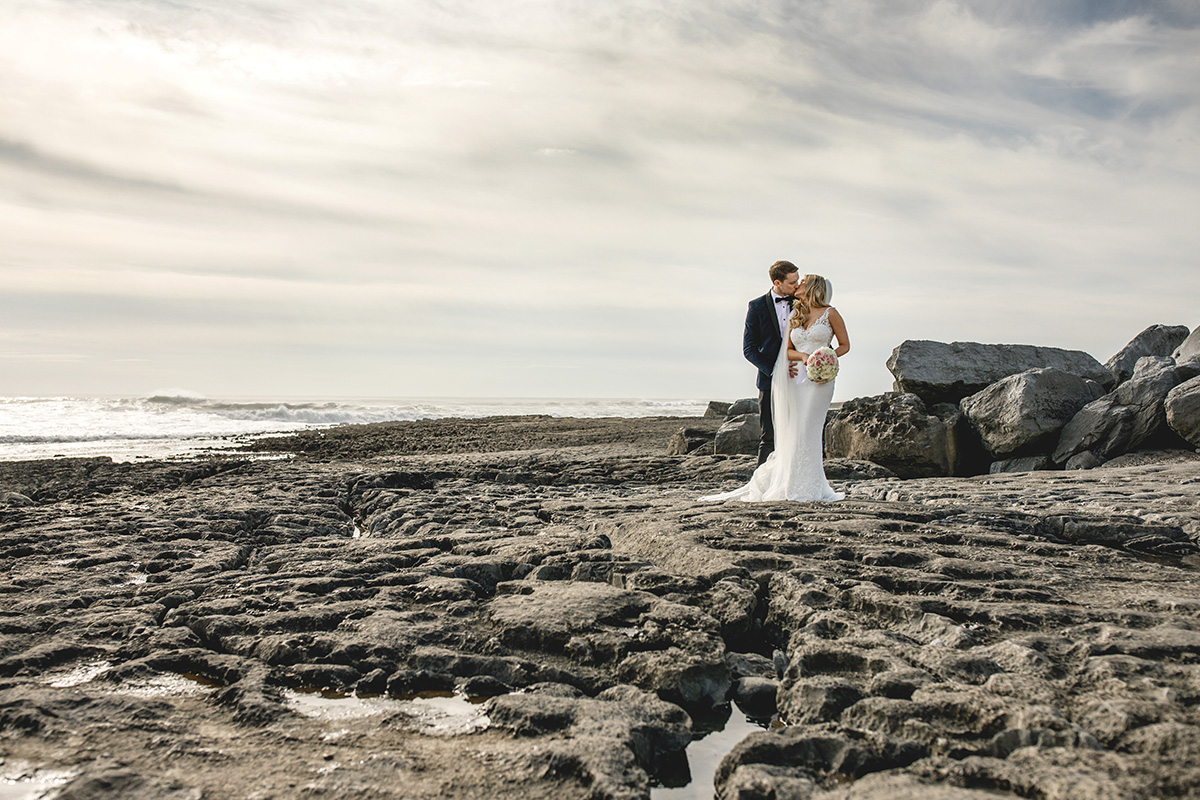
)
(766, 328)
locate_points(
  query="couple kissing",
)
(789, 336)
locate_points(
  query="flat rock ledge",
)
(403, 612)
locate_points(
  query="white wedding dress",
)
(794, 471)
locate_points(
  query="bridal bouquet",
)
(822, 365)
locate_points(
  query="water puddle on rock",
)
(704, 755)
(167, 684)
(66, 678)
(431, 713)
(23, 781)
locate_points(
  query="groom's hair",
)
(781, 269)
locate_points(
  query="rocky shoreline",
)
(537, 607)
(965, 408)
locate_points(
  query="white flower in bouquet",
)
(822, 366)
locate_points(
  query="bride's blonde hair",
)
(814, 292)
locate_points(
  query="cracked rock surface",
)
(536, 607)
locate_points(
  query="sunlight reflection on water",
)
(704, 755)
(436, 715)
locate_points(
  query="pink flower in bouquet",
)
(822, 366)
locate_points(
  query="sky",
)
(540, 198)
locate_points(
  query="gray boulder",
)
(938, 372)
(1188, 368)
(1157, 340)
(1182, 407)
(898, 432)
(747, 405)
(1085, 460)
(690, 440)
(1023, 413)
(1130, 417)
(738, 435)
(1024, 464)
(1190, 347)
(716, 410)
(848, 469)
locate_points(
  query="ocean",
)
(174, 425)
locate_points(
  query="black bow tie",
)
(783, 299)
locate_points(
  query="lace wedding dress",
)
(794, 471)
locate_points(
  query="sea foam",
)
(176, 421)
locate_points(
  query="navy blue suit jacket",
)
(761, 341)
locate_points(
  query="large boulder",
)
(738, 435)
(747, 405)
(1157, 340)
(1190, 347)
(697, 441)
(1130, 417)
(717, 409)
(1183, 410)
(898, 432)
(1023, 413)
(938, 372)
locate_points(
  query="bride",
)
(794, 471)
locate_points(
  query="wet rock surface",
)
(540, 608)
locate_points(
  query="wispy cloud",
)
(370, 189)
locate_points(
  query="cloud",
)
(601, 187)
(25, 157)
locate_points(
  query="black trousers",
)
(766, 444)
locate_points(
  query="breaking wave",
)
(180, 415)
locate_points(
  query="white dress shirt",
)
(784, 312)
